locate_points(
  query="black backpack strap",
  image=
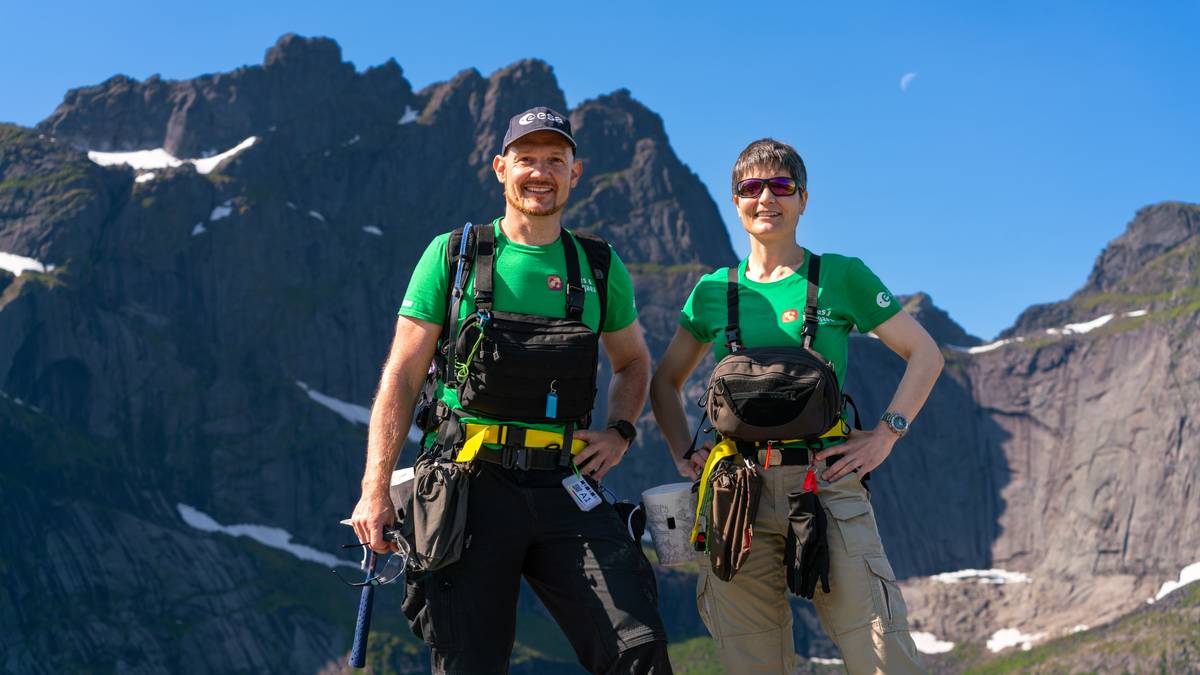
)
(809, 332)
(485, 262)
(599, 255)
(460, 254)
(575, 294)
(733, 335)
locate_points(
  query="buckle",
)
(522, 459)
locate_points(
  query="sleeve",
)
(622, 306)
(428, 288)
(870, 302)
(691, 317)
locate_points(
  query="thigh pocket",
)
(856, 525)
(429, 608)
(889, 603)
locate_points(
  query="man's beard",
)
(512, 196)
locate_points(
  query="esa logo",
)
(528, 118)
(789, 316)
(554, 282)
(883, 299)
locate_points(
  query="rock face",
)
(174, 351)
(188, 325)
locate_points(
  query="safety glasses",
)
(392, 570)
(780, 186)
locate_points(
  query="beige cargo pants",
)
(863, 613)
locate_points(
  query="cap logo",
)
(528, 118)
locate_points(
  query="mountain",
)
(212, 267)
(199, 334)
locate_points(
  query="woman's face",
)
(769, 216)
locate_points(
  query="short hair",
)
(770, 152)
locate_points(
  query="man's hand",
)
(373, 513)
(604, 450)
(862, 452)
(692, 467)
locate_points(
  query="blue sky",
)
(1028, 138)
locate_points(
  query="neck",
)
(771, 260)
(531, 230)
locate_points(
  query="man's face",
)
(538, 172)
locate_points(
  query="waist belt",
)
(522, 448)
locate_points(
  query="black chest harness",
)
(514, 366)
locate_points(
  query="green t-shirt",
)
(527, 279)
(772, 314)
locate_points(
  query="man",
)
(521, 520)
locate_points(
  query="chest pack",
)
(522, 367)
(773, 393)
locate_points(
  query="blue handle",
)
(362, 626)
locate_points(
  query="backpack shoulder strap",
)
(733, 335)
(599, 255)
(460, 254)
(809, 332)
(485, 261)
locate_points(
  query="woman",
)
(863, 611)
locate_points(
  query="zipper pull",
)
(552, 401)
(767, 463)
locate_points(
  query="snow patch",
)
(207, 164)
(992, 576)
(268, 536)
(993, 345)
(144, 178)
(350, 411)
(354, 140)
(159, 158)
(825, 662)
(1012, 637)
(1186, 576)
(1078, 629)
(16, 264)
(198, 229)
(409, 116)
(1081, 328)
(1137, 312)
(927, 643)
(316, 215)
(371, 229)
(221, 211)
(291, 206)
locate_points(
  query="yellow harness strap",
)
(495, 434)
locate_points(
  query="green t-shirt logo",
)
(554, 282)
(883, 299)
(789, 316)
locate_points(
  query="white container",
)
(401, 488)
(670, 513)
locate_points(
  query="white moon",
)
(906, 80)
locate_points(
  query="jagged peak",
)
(943, 329)
(292, 50)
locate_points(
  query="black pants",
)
(589, 574)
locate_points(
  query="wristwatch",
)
(627, 431)
(896, 422)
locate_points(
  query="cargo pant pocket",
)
(889, 603)
(430, 610)
(856, 527)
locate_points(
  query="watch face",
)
(899, 422)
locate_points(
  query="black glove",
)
(806, 553)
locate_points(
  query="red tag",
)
(554, 282)
(810, 482)
(767, 462)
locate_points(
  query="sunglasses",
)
(392, 570)
(780, 186)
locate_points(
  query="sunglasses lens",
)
(751, 187)
(782, 187)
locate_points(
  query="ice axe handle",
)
(362, 626)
